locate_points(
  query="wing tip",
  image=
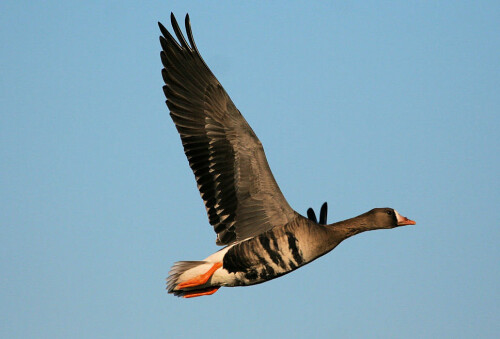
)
(311, 215)
(323, 213)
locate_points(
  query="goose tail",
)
(192, 278)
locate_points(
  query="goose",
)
(263, 237)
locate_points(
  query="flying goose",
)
(264, 237)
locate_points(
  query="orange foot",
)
(201, 279)
(199, 293)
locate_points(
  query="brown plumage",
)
(265, 237)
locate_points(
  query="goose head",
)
(386, 217)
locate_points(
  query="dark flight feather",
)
(311, 215)
(235, 182)
(323, 214)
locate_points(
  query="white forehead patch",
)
(398, 216)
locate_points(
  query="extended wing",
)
(235, 182)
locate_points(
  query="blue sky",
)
(361, 105)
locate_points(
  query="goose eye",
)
(388, 212)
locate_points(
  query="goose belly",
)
(265, 257)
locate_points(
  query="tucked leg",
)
(201, 279)
(199, 293)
